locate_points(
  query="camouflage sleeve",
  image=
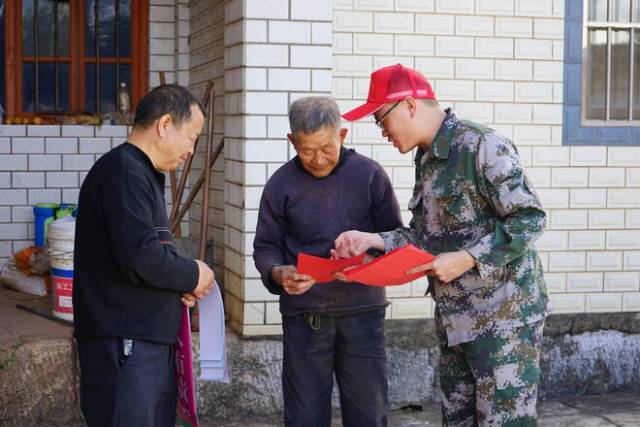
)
(402, 236)
(399, 237)
(521, 219)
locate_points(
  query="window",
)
(611, 69)
(71, 55)
(594, 70)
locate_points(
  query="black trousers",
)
(119, 390)
(351, 347)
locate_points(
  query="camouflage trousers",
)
(492, 381)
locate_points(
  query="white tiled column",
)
(168, 41)
(275, 52)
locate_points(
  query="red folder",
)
(390, 268)
(322, 269)
(386, 270)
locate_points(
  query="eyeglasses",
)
(380, 122)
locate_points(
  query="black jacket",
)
(128, 276)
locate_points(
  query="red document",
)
(386, 270)
(390, 268)
(322, 269)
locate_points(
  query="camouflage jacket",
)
(471, 193)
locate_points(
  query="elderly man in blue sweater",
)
(328, 328)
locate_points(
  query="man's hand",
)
(292, 282)
(205, 280)
(352, 243)
(447, 266)
(188, 299)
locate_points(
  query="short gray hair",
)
(312, 113)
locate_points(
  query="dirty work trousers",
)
(315, 347)
(493, 380)
(117, 390)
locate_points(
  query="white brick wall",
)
(44, 167)
(168, 45)
(263, 55)
(501, 62)
(496, 61)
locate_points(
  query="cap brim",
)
(362, 111)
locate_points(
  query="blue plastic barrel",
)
(44, 213)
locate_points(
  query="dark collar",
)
(145, 160)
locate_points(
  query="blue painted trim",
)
(573, 133)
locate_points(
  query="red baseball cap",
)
(389, 84)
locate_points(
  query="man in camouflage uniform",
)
(474, 208)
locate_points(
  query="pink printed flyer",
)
(186, 410)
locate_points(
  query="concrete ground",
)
(24, 336)
(615, 409)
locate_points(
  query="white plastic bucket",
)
(60, 249)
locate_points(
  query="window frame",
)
(633, 27)
(574, 133)
(13, 83)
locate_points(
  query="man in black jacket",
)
(130, 283)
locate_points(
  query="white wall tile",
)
(567, 261)
(496, 47)
(468, 25)
(567, 303)
(417, 45)
(348, 22)
(556, 282)
(317, 10)
(395, 23)
(570, 219)
(606, 177)
(623, 198)
(533, 8)
(586, 240)
(514, 70)
(602, 303)
(266, 9)
(588, 198)
(454, 46)
(606, 218)
(381, 44)
(514, 27)
(458, 6)
(622, 281)
(623, 239)
(623, 156)
(289, 32)
(604, 261)
(438, 25)
(494, 7)
(584, 282)
(481, 69)
(631, 301)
